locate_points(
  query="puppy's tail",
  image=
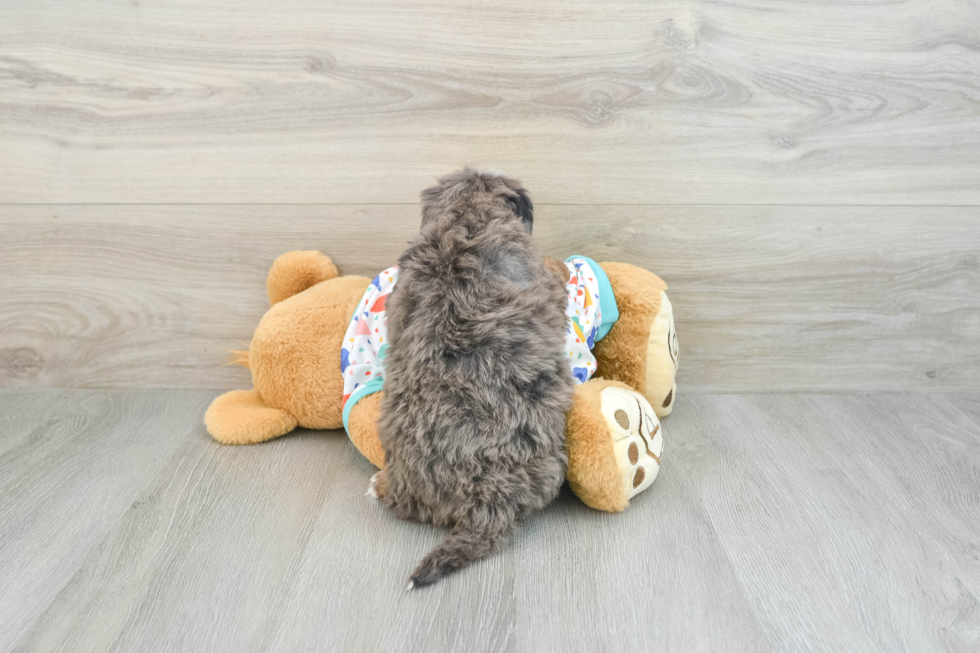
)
(471, 540)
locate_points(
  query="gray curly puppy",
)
(476, 383)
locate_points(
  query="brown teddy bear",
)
(612, 430)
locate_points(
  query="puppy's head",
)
(466, 183)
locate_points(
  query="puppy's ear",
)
(521, 203)
(431, 198)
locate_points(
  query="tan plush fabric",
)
(295, 353)
(294, 272)
(364, 428)
(622, 354)
(593, 473)
(242, 417)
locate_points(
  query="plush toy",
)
(612, 430)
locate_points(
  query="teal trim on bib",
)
(607, 298)
(369, 388)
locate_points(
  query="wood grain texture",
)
(779, 523)
(614, 102)
(85, 463)
(824, 503)
(968, 404)
(935, 431)
(19, 421)
(766, 299)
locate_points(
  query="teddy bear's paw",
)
(378, 486)
(637, 437)
(243, 417)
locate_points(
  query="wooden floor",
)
(778, 523)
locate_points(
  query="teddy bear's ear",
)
(521, 204)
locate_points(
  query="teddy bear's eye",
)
(622, 419)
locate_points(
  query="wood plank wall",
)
(805, 176)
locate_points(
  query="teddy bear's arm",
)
(363, 428)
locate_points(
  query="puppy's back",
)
(476, 387)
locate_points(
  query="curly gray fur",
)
(476, 382)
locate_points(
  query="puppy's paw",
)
(378, 486)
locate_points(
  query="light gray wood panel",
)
(765, 298)
(616, 579)
(569, 579)
(778, 523)
(791, 299)
(624, 101)
(133, 296)
(22, 417)
(64, 488)
(205, 556)
(823, 505)
(945, 503)
(275, 547)
(968, 404)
